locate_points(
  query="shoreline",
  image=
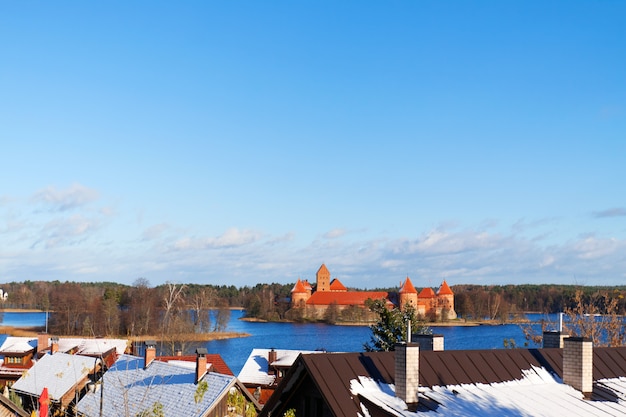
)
(450, 323)
(22, 310)
(33, 331)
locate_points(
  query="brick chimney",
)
(554, 339)
(54, 345)
(578, 364)
(200, 363)
(150, 352)
(407, 373)
(271, 358)
(428, 341)
(42, 342)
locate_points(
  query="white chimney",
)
(578, 364)
(407, 373)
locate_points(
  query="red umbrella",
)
(44, 401)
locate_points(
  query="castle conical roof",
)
(444, 289)
(408, 287)
(299, 287)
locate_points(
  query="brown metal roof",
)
(333, 372)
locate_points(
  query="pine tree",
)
(391, 326)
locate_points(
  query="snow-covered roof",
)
(254, 371)
(18, 344)
(58, 372)
(84, 346)
(538, 393)
(511, 382)
(92, 347)
(129, 389)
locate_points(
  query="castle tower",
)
(300, 293)
(427, 299)
(408, 294)
(445, 299)
(323, 279)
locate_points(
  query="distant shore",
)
(21, 310)
(24, 331)
(33, 331)
(449, 323)
(192, 337)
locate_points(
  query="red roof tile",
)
(345, 298)
(299, 287)
(444, 289)
(213, 358)
(426, 293)
(408, 287)
(336, 285)
(323, 269)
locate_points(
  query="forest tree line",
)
(170, 310)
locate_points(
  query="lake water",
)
(315, 336)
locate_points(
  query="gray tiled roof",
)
(130, 389)
(59, 372)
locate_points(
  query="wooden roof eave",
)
(14, 408)
(286, 389)
(244, 391)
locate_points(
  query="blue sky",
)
(250, 141)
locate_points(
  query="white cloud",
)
(443, 242)
(4, 200)
(154, 232)
(233, 237)
(66, 231)
(334, 234)
(75, 196)
(480, 254)
(593, 248)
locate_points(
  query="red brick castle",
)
(314, 303)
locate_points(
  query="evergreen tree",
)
(391, 326)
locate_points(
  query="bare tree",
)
(222, 317)
(172, 299)
(141, 309)
(201, 303)
(111, 317)
(595, 317)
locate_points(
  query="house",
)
(19, 353)
(137, 385)
(214, 362)
(328, 295)
(576, 380)
(9, 409)
(265, 368)
(64, 375)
